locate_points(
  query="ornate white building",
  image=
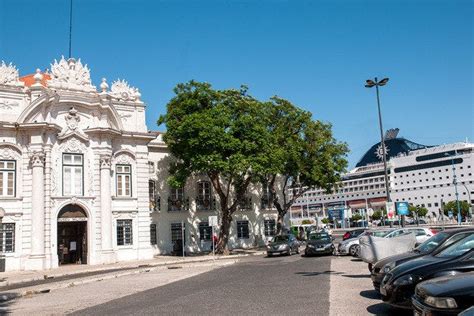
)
(82, 180)
(73, 169)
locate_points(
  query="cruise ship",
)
(418, 174)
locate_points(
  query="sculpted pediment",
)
(72, 128)
(70, 75)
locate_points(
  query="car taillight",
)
(346, 236)
(433, 231)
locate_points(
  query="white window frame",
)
(121, 174)
(122, 226)
(4, 232)
(73, 167)
(5, 172)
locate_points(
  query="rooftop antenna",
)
(70, 27)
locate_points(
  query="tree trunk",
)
(221, 247)
(280, 223)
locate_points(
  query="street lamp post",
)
(469, 197)
(455, 183)
(375, 83)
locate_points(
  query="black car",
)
(448, 295)
(353, 233)
(319, 243)
(399, 284)
(283, 245)
(433, 245)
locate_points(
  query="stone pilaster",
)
(37, 256)
(106, 210)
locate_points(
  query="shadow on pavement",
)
(385, 309)
(317, 273)
(373, 294)
(357, 276)
(356, 260)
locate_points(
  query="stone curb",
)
(135, 269)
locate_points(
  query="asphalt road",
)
(257, 285)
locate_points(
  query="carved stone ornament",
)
(37, 159)
(72, 126)
(73, 145)
(8, 105)
(105, 161)
(8, 152)
(124, 159)
(121, 90)
(9, 75)
(72, 119)
(70, 75)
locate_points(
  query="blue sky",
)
(315, 53)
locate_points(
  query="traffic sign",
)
(213, 221)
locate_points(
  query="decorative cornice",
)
(70, 75)
(9, 75)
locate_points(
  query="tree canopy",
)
(236, 140)
(220, 133)
(417, 210)
(452, 206)
(303, 154)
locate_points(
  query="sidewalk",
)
(20, 283)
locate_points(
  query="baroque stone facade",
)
(73, 171)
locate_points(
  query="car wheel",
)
(370, 267)
(269, 255)
(353, 250)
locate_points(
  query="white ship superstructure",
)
(418, 174)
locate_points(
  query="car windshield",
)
(280, 238)
(462, 246)
(381, 233)
(431, 243)
(324, 237)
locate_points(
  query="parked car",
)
(283, 244)
(350, 246)
(448, 295)
(433, 245)
(353, 233)
(421, 234)
(399, 284)
(467, 312)
(319, 243)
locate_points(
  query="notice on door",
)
(72, 246)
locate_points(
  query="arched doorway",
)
(72, 235)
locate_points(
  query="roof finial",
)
(104, 86)
(38, 77)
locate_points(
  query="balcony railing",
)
(206, 204)
(177, 205)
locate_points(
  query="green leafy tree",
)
(303, 154)
(221, 133)
(417, 210)
(377, 215)
(325, 220)
(356, 217)
(452, 206)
